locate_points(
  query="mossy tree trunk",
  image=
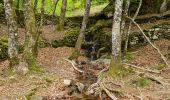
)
(116, 36)
(42, 16)
(35, 5)
(30, 49)
(76, 53)
(12, 33)
(125, 12)
(55, 6)
(62, 15)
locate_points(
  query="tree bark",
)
(163, 7)
(35, 5)
(30, 49)
(125, 12)
(130, 25)
(55, 6)
(76, 53)
(62, 15)
(116, 35)
(42, 16)
(12, 33)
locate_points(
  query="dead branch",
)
(147, 16)
(147, 38)
(73, 65)
(130, 26)
(148, 70)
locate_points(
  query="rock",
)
(22, 68)
(80, 86)
(67, 82)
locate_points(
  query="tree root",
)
(73, 65)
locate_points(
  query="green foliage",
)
(42, 43)
(69, 39)
(3, 49)
(120, 71)
(143, 81)
(129, 56)
(1, 8)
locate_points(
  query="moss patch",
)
(143, 81)
(69, 39)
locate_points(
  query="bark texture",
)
(130, 25)
(116, 34)
(82, 31)
(12, 33)
(42, 16)
(62, 15)
(30, 48)
(163, 7)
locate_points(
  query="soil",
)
(49, 85)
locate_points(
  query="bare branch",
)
(147, 38)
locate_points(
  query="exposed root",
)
(140, 68)
(73, 65)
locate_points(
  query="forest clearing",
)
(84, 49)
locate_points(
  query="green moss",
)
(69, 39)
(129, 56)
(42, 43)
(119, 71)
(143, 81)
(160, 66)
(74, 55)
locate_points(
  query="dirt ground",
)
(49, 85)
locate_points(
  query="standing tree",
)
(62, 15)
(116, 36)
(163, 7)
(35, 5)
(55, 6)
(42, 16)
(76, 53)
(12, 33)
(28, 60)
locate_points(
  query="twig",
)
(75, 68)
(147, 38)
(148, 70)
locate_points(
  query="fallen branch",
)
(148, 70)
(75, 68)
(147, 38)
(110, 94)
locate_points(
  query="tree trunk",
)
(76, 53)
(12, 33)
(35, 5)
(42, 16)
(125, 12)
(17, 7)
(116, 35)
(62, 15)
(129, 29)
(30, 49)
(55, 6)
(163, 7)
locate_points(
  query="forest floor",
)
(50, 84)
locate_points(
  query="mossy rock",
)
(69, 39)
